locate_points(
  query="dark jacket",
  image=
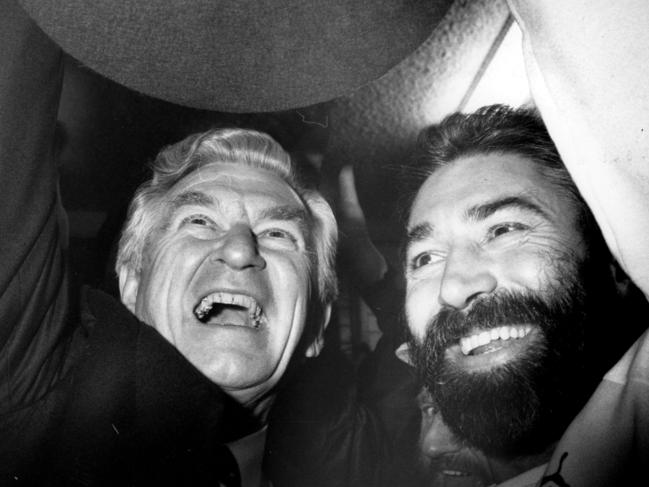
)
(130, 411)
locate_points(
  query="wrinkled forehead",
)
(238, 183)
(473, 180)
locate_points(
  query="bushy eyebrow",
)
(192, 198)
(485, 210)
(418, 233)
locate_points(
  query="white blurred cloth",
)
(588, 67)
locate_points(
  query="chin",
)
(232, 371)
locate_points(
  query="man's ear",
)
(129, 281)
(403, 354)
(315, 348)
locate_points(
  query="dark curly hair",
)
(490, 129)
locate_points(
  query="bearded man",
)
(510, 295)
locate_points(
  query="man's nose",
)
(467, 275)
(238, 249)
(436, 439)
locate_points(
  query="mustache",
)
(503, 308)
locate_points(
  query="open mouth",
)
(456, 470)
(455, 473)
(229, 309)
(491, 340)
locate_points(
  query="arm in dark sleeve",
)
(33, 292)
(385, 297)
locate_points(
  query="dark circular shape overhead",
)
(239, 55)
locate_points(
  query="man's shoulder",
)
(634, 365)
(117, 337)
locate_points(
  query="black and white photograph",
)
(343, 243)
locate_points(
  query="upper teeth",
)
(454, 473)
(254, 310)
(470, 343)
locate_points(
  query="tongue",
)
(230, 316)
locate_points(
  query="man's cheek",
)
(525, 272)
(419, 311)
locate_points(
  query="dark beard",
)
(521, 407)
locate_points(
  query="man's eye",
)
(423, 259)
(505, 228)
(278, 234)
(200, 220)
(275, 233)
(428, 410)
